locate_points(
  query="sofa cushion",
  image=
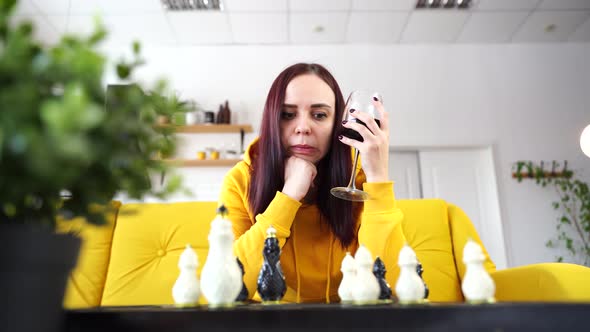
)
(86, 282)
(426, 227)
(147, 244)
(544, 282)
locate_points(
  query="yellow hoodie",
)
(311, 254)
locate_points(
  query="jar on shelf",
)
(213, 153)
(209, 117)
(194, 115)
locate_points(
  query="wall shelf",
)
(202, 163)
(526, 175)
(210, 128)
(241, 129)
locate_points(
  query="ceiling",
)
(286, 22)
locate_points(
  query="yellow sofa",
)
(133, 260)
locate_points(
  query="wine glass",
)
(360, 101)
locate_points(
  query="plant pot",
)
(34, 269)
(162, 120)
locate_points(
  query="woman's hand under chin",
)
(374, 149)
(299, 176)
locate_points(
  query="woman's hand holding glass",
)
(366, 130)
(374, 148)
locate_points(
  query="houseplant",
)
(62, 155)
(572, 205)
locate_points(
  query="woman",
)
(285, 180)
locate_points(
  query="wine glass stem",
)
(352, 183)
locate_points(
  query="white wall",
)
(530, 102)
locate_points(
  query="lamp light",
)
(585, 141)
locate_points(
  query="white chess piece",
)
(409, 286)
(221, 277)
(348, 269)
(366, 288)
(186, 289)
(477, 285)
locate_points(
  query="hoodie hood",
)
(251, 151)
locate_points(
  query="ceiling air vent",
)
(443, 4)
(186, 5)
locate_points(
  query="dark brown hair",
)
(267, 171)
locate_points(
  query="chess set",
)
(363, 279)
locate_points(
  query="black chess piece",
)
(222, 210)
(243, 296)
(420, 270)
(271, 281)
(379, 271)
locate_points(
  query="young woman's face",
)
(307, 118)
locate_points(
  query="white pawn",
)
(477, 285)
(366, 288)
(409, 286)
(186, 289)
(348, 269)
(221, 277)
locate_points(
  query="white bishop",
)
(477, 285)
(409, 287)
(221, 277)
(186, 290)
(348, 279)
(366, 287)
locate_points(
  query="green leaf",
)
(99, 33)
(26, 28)
(173, 184)
(136, 47)
(9, 209)
(123, 71)
(52, 115)
(6, 6)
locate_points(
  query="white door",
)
(404, 171)
(466, 178)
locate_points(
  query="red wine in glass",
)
(353, 134)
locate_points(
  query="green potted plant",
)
(572, 205)
(64, 155)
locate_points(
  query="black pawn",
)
(271, 282)
(243, 296)
(379, 271)
(420, 270)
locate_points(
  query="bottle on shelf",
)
(227, 112)
(224, 114)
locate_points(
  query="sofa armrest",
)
(545, 282)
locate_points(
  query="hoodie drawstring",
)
(298, 298)
(329, 269)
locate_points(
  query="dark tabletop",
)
(323, 317)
